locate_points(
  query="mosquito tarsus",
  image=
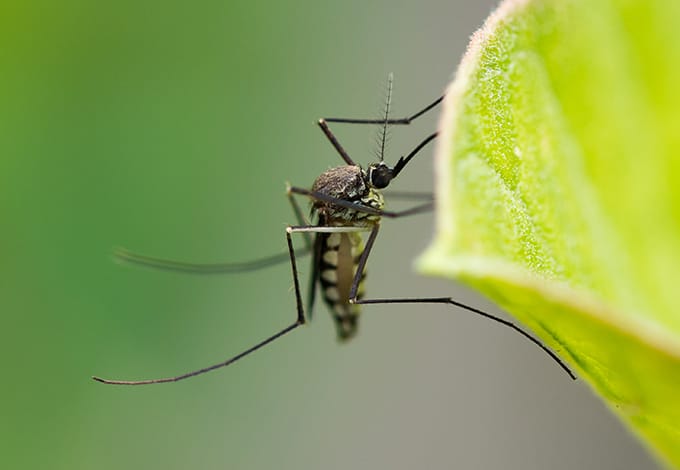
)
(347, 202)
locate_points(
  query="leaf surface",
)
(558, 192)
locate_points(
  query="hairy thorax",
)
(347, 183)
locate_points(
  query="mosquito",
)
(346, 204)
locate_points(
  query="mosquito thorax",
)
(350, 183)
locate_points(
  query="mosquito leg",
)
(406, 120)
(299, 215)
(311, 245)
(300, 320)
(323, 124)
(225, 268)
(360, 207)
(329, 229)
(128, 257)
(313, 279)
(421, 209)
(409, 195)
(438, 300)
(401, 163)
(331, 137)
(361, 265)
(415, 116)
(450, 301)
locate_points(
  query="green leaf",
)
(558, 192)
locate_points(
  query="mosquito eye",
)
(380, 176)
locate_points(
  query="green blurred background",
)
(170, 129)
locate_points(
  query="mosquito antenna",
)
(383, 130)
(409, 195)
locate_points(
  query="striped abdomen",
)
(338, 261)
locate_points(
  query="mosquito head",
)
(380, 175)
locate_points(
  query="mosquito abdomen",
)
(340, 254)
